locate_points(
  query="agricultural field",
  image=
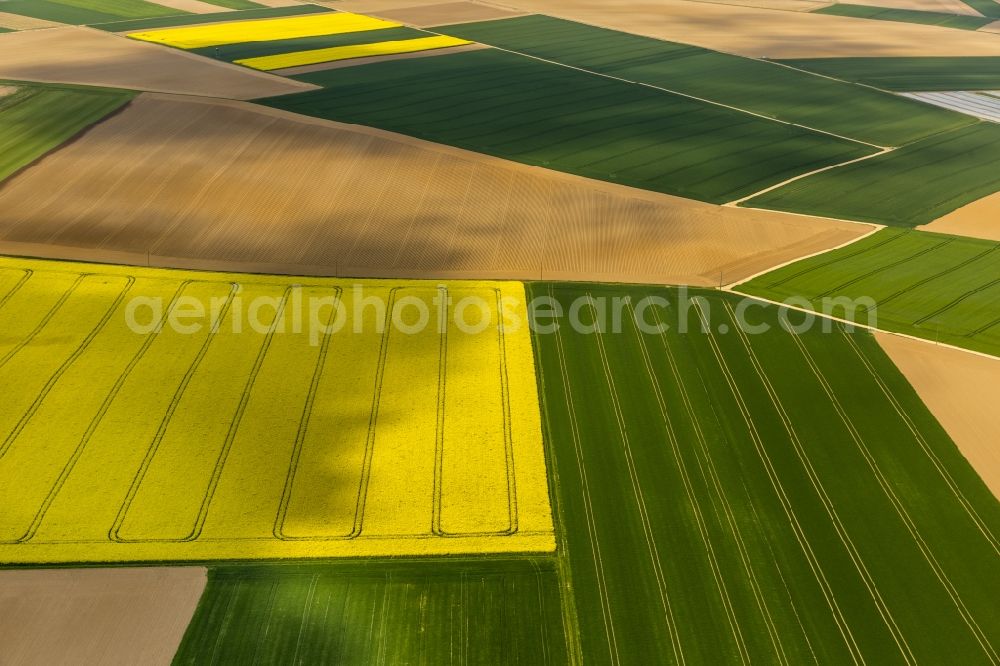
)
(933, 286)
(979, 219)
(733, 497)
(376, 431)
(413, 612)
(910, 186)
(758, 87)
(940, 19)
(543, 114)
(35, 119)
(341, 195)
(910, 74)
(216, 17)
(86, 11)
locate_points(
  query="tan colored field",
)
(444, 13)
(192, 6)
(962, 390)
(279, 3)
(992, 27)
(96, 616)
(198, 183)
(82, 55)
(979, 219)
(766, 33)
(6, 90)
(18, 22)
(784, 5)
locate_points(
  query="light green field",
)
(86, 11)
(938, 287)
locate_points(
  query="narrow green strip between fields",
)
(934, 286)
(195, 19)
(236, 4)
(910, 74)
(940, 19)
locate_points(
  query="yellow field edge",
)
(335, 53)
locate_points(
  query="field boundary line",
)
(27, 273)
(828, 504)
(779, 490)
(673, 92)
(653, 549)
(900, 507)
(12, 352)
(951, 269)
(884, 267)
(957, 301)
(300, 436)
(64, 367)
(114, 534)
(595, 546)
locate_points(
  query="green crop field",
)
(989, 8)
(942, 19)
(933, 286)
(196, 19)
(38, 118)
(236, 4)
(759, 87)
(910, 186)
(910, 74)
(538, 113)
(239, 51)
(86, 11)
(758, 498)
(380, 612)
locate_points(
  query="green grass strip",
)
(195, 19)
(236, 4)
(910, 74)
(940, 19)
(231, 52)
(36, 120)
(933, 286)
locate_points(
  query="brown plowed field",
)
(83, 55)
(201, 183)
(96, 616)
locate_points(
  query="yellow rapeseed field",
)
(264, 417)
(265, 30)
(333, 54)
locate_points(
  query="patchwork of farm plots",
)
(86, 11)
(260, 435)
(933, 286)
(544, 114)
(738, 495)
(910, 74)
(280, 43)
(909, 186)
(36, 119)
(430, 612)
(219, 17)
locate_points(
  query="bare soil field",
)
(207, 184)
(979, 219)
(192, 6)
(444, 13)
(96, 616)
(764, 33)
(82, 55)
(962, 390)
(783, 5)
(945, 6)
(992, 27)
(18, 22)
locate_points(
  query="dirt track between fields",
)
(979, 219)
(92, 57)
(208, 184)
(962, 390)
(96, 616)
(764, 33)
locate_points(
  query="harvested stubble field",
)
(933, 286)
(758, 87)
(198, 182)
(37, 119)
(910, 74)
(764, 33)
(377, 612)
(544, 114)
(96, 616)
(86, 56)
(910, 186)
(434, 14)
(979, 219)
(247, 432)
(732, 497)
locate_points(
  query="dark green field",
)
(195, 19)
(907, 187)
(38, 118)
(989, 8)
(762, 498)
(86, 11)
(959, 21)
(760, 87)
(910, 74)
(236, 4)
(538, 113)
(233, 52)
(933, 286)
(379, 612)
